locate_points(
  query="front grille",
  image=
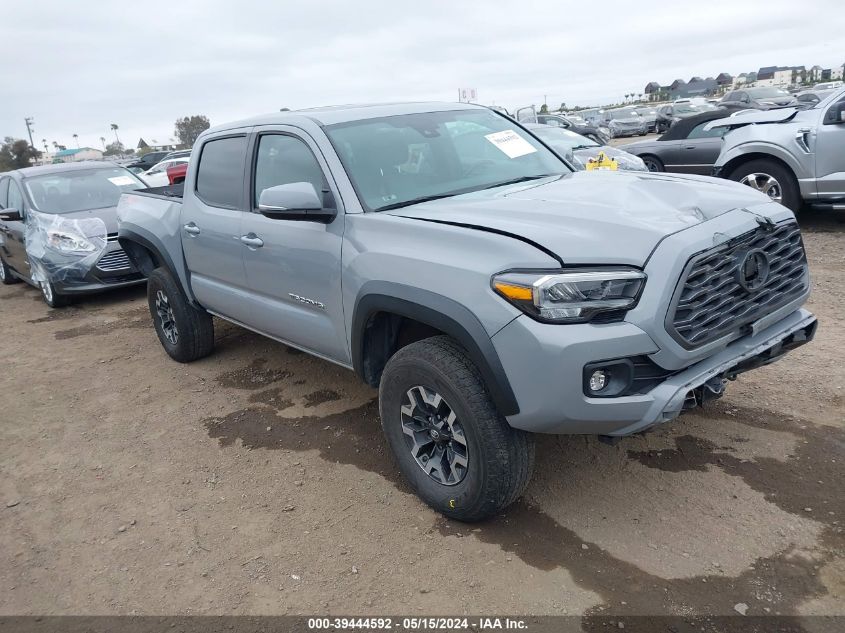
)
(115, 260)
(710, 302)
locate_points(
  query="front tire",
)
(7, 277)
(186, 333)
(53, 298)
(454, 448)
(771, 178)
(653, 163)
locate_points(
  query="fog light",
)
(598, 380)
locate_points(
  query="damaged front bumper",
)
(706, 380)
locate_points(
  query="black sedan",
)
(591, 132)
(686, 148)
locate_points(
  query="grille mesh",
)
(115, 260)
(710, 302)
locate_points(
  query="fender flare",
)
(745, 150)
(441, 313)
(127, 238)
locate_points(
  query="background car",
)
(157, 176)
(146, 162)
(671, 113)
(624, 122)
(809, 98)
(649, 113)
(578, 149)
(686, 148)
(599, 134)
(59, 225)
(764, 98)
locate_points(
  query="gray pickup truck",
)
(793, 156)
(488, 289)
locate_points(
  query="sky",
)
(78, 66)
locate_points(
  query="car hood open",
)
(779, 115)
(588, 217)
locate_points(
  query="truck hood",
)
(780, 115)
(593, 217)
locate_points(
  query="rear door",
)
(830, 154)
(697, 153)
(14, 250)
(212, 215)
(294, 267)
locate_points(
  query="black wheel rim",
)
(434, 436)
(165, 318)
(652, 166)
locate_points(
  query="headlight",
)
(68, 242)
(575, 296)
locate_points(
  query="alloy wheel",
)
(2, 271)
(47, 291)
(434, 436)
(765, 184)
(166, 319)
(652, 166)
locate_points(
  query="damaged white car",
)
(58, 229)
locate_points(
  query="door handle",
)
(252, 240)
(192, 228)
(689, 147)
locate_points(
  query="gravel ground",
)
(256, 481)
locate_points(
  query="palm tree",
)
(55, 145)
(114, 128)
(76, 138)
(103, 141)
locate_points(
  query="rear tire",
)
(185, 332)
(7, 277)
(771, 178)
(469, 468)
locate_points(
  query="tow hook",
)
(713, 389)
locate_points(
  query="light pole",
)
(28, 120)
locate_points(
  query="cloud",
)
(84, 64)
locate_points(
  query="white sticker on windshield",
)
(511, 143)
(121, 181)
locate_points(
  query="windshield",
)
(687, 108)
(756, 93)
(80, 190)
(399, 160)
(562, 141)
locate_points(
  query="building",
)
(781, 76)
(74, 155)
(815, 74)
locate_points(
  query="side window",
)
(699, 132)
(4, 189)
(220, 173)
(15, 200)
(283, 160)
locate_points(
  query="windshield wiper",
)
(585, 147)
(420, 200)
(516, 181)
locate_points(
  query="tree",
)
(189, 128)
(544, 109)
(562, 107)
(16, 154)
(76, 138)
(114, 128)
(114, 149)
(103, 141)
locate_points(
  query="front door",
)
(211, 222)
(294, 267)
(14, 247)
(830, 154)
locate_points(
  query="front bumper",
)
(111, 270)
(544, 364)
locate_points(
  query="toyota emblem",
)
(753, 270)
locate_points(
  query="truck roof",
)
(329, 115)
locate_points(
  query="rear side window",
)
(221, 172)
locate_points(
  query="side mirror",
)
(294, 201)
(836, 114)
(11, 215)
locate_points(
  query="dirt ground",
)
(257, 481)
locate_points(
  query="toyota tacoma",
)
(487, 289)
